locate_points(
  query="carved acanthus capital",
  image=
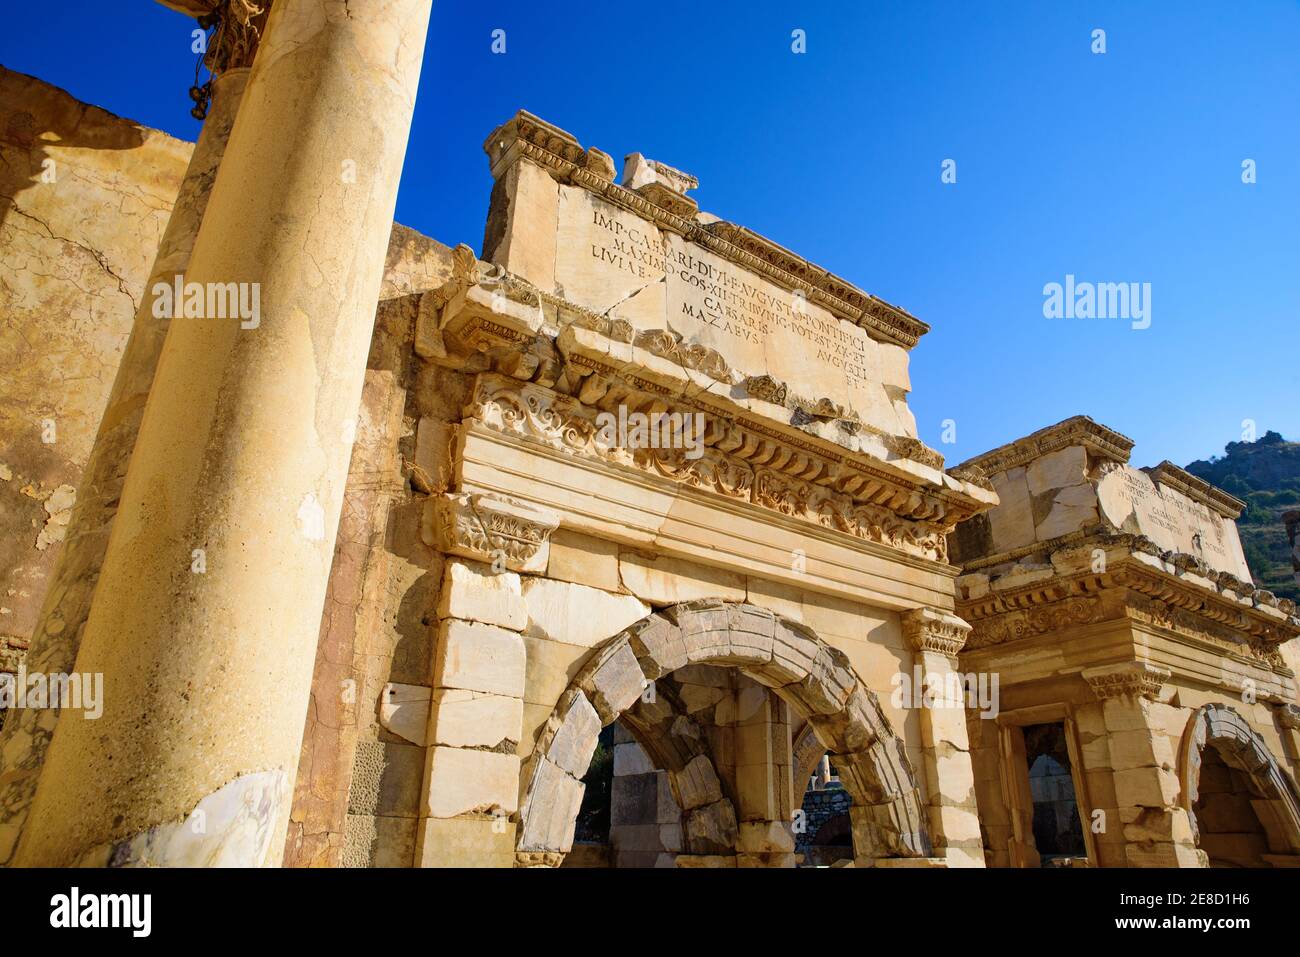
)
(236, 27)
(491, 529)
(929, 629)
(1128, 678)
(239, 25)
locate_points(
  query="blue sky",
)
(1115, 167)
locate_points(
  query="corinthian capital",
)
(239, 26)
(1136, 678)
(929, 629)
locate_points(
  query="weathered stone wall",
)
(359, 781)
(84, 198)
(820, 808)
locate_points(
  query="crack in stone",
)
(95, 254)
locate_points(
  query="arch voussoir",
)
(826, 688)
(553, 787)
(658, 645)
(857, 726)
(710, 634)
(794, 649)
(614, 680)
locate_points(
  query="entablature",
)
(1109, 578)
(555, 373)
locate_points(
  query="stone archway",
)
(785, 656)
(1274, 796)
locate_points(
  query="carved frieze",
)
(732, 460)
(1132, 589)
(1012, 626)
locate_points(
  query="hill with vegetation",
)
(1264, 474)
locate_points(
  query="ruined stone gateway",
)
(613, 545)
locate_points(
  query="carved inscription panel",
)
(614, 262)
(1132, 500)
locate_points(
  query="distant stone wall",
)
(84, 198)
(819, 807)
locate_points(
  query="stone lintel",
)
(736, 461)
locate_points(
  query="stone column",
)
(823, 772)
(1156, 829)
(937, 637)
(54, 645)
(239, 466)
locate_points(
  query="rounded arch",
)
(816, 679)
(1276, 797)
(807, 751)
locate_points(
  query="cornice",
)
(560, 153)
(1142, 555)
(1102, 442)
(738, 461)
(1197, 489)
(483, 319)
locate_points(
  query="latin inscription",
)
(738, 305)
